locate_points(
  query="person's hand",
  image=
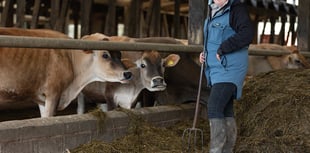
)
(218, 57)
(202, 57)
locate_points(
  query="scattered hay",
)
(273, 116)
(143, 138)
(100, 115)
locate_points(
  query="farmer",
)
(228, 31)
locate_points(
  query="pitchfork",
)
(192, 135)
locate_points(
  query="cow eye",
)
(142, 65)
(105, 55)
(297, 61)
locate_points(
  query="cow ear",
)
(105, 39)
(171, 60)
(88, 51)
(128, 63)
(85, 37)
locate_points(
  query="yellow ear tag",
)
(170, 63)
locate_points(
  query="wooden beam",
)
(35, 14)
(60, 22)
(110, 23)
(20, 13)
(7, 14)
(76, 17)
(164, 4)
(155, 21)
(55, 11)
(303, 25)
(86, 6)
(133, 19)
(165, 29)
(117, 2)
(176, 19)
(196, 20)
(272, 30)
(292, 29)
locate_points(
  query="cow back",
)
(27, 71)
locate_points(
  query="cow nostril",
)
(158, 81)
(127, 75)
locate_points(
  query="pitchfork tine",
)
(189, 131)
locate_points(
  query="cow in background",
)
(259, 64)
(148, 73)
(52, 78)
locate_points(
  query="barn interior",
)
(175, 18)
(139, 18)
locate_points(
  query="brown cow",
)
(182, 79)
(148, 73)
(259, 64)
(52, 78)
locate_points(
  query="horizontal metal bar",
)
(60, 43)
(264, 52)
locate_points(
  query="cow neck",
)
(128, 93)
(82, 76)
(137, 82)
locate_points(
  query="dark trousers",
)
(221, 100)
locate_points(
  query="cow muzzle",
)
(158, 83)
(126, 76)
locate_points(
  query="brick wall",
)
(56, 134)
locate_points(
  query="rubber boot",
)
(217, 135)
(231, 135)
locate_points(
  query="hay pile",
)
(274, 113)
(273, 116)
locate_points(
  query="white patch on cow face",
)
(108, 69)
(152, 67)
(294, 62)
(151, 74)
(105, 66)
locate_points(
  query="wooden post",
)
(7, 14)
(35, 14)
(165, 27)
(185, 27)
(55, 6)
(303, 31)
(60, 22)
(197, 9)
(282, 31)
(272, 29)
(75, 17)
(263, 32)
(20, 13)
(110, 23)
(255, 25)
(133, 19)
(176, 19)
(146, 25)
(292, 29)
(86, 6)
(155, 21)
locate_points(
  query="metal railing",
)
(60, 43)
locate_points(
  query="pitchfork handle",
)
(198, 95)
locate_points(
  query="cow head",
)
(152, 67)
(108, 66)
(295, 61)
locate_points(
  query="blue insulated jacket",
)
(228, 33)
